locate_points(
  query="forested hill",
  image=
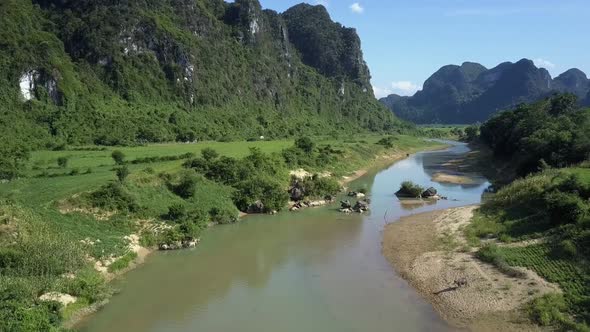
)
(118, 72)
(472, 93)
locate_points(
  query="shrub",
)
(88, 284)
(222, 216)
(122, 173)
(62, 162)
(209, 154)
(176, 212)
(317, 186)
(565, 208)
(269, 191)
(305, 144)
(387, 142)
(123, 262)
(74, 171)
(410, 189)
(548, 309)
(118, 156)
(113, 196)
(567, 248)
(187, 186)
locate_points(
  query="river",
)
(313, 270)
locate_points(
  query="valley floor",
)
(430, 252)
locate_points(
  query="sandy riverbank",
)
(429, 251)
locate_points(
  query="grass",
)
(123, 262)
(538, 207)
(34, 201)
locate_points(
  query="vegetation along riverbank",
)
(73, 219)
(522, 257)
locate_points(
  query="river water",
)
(314, 270)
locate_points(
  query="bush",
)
(567, 249)
(118, 156)
(269, 191)
(209, 154)
(548, 309)
(88, 284)
(62, 162)
(122, 173)
(74, 171)
(113, 196)
(565, 208)
(176, 212)
(319, 187)
(387, 142)
(187, 186)
(123, 262)
(410, 189)
(222, 216)
(305, 144)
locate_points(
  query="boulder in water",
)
(430, 192)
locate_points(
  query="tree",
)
(13, 156)
(305, 144)
(62, 162)
(209, 154)
(563, 104)
(118, 156)
(471, 132)
(187, 186)
(122, 173)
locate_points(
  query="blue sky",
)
(405, 41)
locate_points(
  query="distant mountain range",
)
(470, 93)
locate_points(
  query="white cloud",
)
(542, 63)
(405, 88)
(402, 88)
(381, 92)
(357, 8)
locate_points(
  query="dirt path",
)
(430, 252)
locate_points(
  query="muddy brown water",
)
(314, 270)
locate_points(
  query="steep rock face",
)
(329, 47)
(115, 72)
(574, 81)
(471, 93)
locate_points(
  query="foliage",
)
(113, 196)
(551, 131)
(122, 262)
(548, 309)
(137, 72)
(305, 144)
(490, 253)
(187, 186)
(552, 205)
(122, 173)
(320, 187)
(118, 156)
(62, 162)
(410, 189)
(13, 156)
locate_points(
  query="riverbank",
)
(430, 252)
(372, 159)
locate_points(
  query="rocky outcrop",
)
(471, 93)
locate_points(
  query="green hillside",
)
(119, 72)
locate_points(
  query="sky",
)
(406, 41)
